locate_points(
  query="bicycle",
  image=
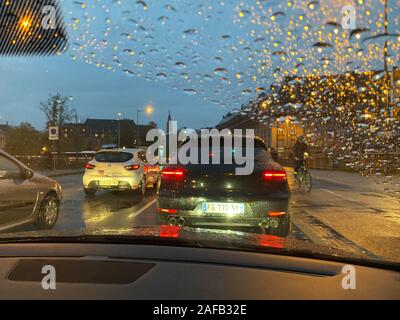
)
(303, 178)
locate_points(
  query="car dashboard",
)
(125, 271)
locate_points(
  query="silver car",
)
(121, 169)
(25, 196)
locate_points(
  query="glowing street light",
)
(25, 24)
(148, 110)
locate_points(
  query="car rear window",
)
(113, 157)
(258, 153)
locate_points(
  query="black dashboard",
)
(121, 271)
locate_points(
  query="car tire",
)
(141, 191)
(90, 191)
(48, 212)
(155, 184)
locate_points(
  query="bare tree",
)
(58, 111)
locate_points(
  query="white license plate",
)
(223, 208)
(108, 183)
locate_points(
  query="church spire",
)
(169, 115)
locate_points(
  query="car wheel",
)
(141, 191)
(90, 191)
(48, 212)
(155, 184)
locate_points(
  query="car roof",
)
(126, 150)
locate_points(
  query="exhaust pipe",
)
(172, 221)
(181, 221)
(274, 223)
(264, 224)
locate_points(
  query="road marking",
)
(340, 196)
(135, 214)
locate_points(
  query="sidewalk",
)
(59, 172)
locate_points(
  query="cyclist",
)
(299, 150)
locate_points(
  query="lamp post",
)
(119, 129)
(148, 110)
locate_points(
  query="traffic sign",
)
(54, 134)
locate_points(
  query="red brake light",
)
(170, 211)
(276, 213)
(173, 173)
(274, 175)
(89, 166)
(132, 167)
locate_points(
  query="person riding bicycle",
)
(299, 150)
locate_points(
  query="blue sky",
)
(97, 93)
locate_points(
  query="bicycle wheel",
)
(307, 181)
(298, 178)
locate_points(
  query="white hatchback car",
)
(120, 169)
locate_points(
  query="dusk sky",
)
(200, 59)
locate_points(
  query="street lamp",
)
(119, 129)
(148, 110)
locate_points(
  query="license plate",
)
(108, 183)
(223, 208)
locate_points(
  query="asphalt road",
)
(344, 215)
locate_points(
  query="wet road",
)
(344, 215)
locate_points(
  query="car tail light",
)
(173, 173)
(274, 175)
(132, 167)
(89, 166)
(170, 211)
(276, 213)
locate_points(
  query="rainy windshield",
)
(301, 98)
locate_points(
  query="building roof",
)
(230, 116)
(4, 128)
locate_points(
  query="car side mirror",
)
(28, 174)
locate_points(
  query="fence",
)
(61, 161)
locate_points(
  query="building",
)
(93, 133)
(284, 136)
(279, 138)
(4, 128)
(237, 121)
(2, 139)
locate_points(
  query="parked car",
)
(213, 196)
(25, 196)
(122, 169)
